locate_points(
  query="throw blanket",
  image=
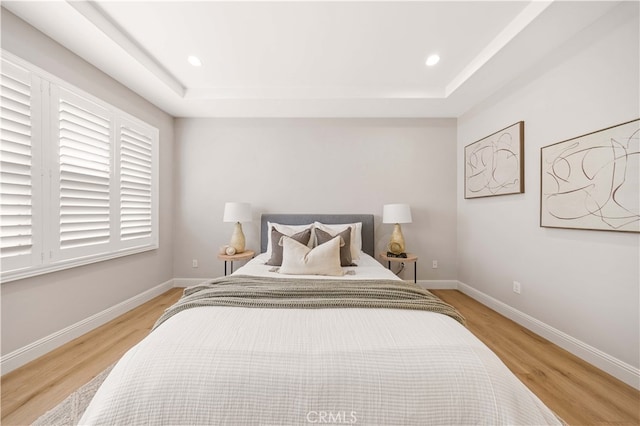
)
(264, 292)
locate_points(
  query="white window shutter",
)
(137, 183)
(78, 177)
(82, 180)
(18, 247)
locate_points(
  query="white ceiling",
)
(312, 59)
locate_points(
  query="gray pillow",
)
(302, 237)
(345, 249)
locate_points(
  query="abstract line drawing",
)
(495, 165)
(593, 181)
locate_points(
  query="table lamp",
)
(237, 212)
(396, 214)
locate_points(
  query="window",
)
(78, 177)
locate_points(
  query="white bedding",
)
(368, 268)
(240, 366)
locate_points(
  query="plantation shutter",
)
(136, 162)
(16, 169)
(78, 177)
(83, 178)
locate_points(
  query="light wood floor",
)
(32, 390)
(576, 391)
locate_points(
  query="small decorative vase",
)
(396, 245)
(237, 238)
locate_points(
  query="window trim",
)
(46, 142)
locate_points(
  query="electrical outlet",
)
(434, 265)
(194, 263)
(516, 287)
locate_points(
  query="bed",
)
(270, 346)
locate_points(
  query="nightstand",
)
(245, 255)
(411, 258)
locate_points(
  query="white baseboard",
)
(438, 284)
(21, 356)
(188, 282)
(605, 362)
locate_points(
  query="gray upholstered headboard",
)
(368, 242)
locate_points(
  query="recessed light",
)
(194, 60)
(432, 60)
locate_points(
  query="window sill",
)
(20, 274)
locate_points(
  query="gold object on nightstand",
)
(396, 245)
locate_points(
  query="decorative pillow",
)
(276, 249)
(298, 259)
(356, 235)
(287, 230)
(345, 249)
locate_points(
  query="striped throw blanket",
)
(264, 292)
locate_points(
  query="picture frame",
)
(494, 165)
(592, 181)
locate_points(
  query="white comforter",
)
(238, 366)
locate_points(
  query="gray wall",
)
(315, 165)
(583, 283)
(37, 307)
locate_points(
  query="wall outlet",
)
(516, 287)
(434, 265)
(194, 263)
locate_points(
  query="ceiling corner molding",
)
(515, 27)
(94, 14)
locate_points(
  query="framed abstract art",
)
(494, 165)
(593, 181)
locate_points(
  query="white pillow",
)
(356, 235)
(299, 259)
(288, 230)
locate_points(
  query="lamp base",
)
(237, 238)
(396, 245)
(400, 255)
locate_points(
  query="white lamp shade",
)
(237, 212)
(396, 213)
